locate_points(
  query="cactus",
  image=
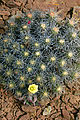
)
(38, 54)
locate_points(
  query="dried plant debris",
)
(47, 110)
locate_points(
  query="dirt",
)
(63, 107)
(65, 8)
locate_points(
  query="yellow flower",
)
(59, 89)
(43, 67)
(65, 73)
(26, 53)
(37, 53)
(25, 26)
(29, 69)
(63, 62)
(18, 93)
(22, 46)
(71, 22)
(9, 34)
(56, 29)
(52, 14)
(5, 40)
(5, 50)
(53, 59)
(18, 62)
(29, 81)
(12, 23)
(76, 75)
(22, 78)
(36, 44)
(26, 37)
(45, 94)
(38, 78)
(11, 85)
(29, 15)
(70, 54)
(61, 41)
(53, 78)
(47, 40)
(74, 34)
(43, 26)
(33, 88)
(9, 72)
(32, 62)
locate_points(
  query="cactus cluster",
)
(38, 54)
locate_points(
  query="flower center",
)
(32, 88)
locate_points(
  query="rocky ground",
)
(69, 8)
(63, 107)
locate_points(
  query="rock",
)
(75, 100)
(23, 2)
(58, 118)
(65, 98)
(38, 119)
(17, 3)
(72, 116)
(44, 101)
(79, 115)
(3, 118)
(4, 7)
(18, 113)
(14, 11)
(57, 106)
(11, 4)
(42, 117)
(9, 116)
(38, 112)
(69, 108)
(25, 117)
(63, 106)
(29, 109)
(3, 12)
(0, 18)
(66, 114)
(1, 22)
(5, 17)
(55, 115)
